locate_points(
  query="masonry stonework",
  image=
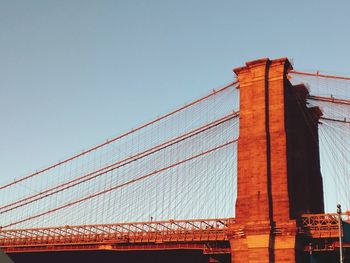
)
(278, 164)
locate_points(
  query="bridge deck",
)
(190, 234)
(321, 225)
(205, 234)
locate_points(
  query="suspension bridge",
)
(245, 173)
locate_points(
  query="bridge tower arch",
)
(278, 164)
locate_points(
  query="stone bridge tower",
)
(278, 164)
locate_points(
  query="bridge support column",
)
(251, 243)
(278, 161)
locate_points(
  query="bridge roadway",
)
(207, 235)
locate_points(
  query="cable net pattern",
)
(181, 165)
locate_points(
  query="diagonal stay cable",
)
(115, 165)
(118, 137)
(121, 185)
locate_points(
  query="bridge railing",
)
(138, 232)
(157, 232)
(322, 225)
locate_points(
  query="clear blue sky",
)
(73, 73)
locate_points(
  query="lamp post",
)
(340, 233)
(310, 251)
